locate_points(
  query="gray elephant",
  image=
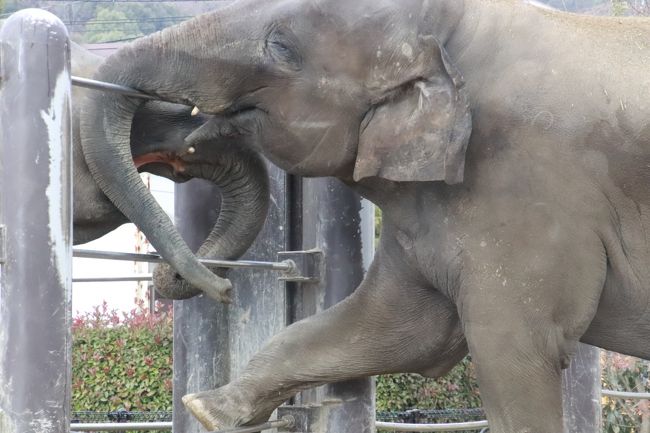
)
(508, 147)
(157, 145)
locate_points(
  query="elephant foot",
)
(220, 408)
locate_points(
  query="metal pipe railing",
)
(110, 87)
(286, 266)
(288, 422)
(121, 426)
(143, 277)
(285, 422)
(442, 427)
(627, 395)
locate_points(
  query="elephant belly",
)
(622, 321)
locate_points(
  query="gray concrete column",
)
(213, 342)
(36, 212)
(581, 397)
(338, 222)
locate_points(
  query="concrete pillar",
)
(341, 224)
(581, 387)
(213, 342)
(36, 215)
(201, 358)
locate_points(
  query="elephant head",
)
(318, 91)
(157, 146)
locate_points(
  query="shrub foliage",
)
(125, 361)
(122, 360)
(457, 389)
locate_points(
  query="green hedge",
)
(125, 361)
(122, 360)
(458, 389)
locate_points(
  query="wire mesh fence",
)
(120, 415)
(413, 416)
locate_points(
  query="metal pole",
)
(337, 221)
(581, 396)
(442, 427)
(285, 266)
(36, 207)
(122, 426)
(110, 87)
(143, 277)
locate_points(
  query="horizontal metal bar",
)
(285, 266)
(143, 277)
(122, 426)
(116, 88)
(285, 422)
(624, 394)
(398, 426)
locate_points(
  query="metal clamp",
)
(304, 417)
(306, 265)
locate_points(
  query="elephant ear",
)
(420, 131)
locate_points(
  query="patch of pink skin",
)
(164, 157)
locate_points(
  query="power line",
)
(129, 20)
(136, 1)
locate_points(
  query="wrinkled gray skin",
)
(516, 241)
(157, 145)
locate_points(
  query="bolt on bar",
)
(143, 277)
(110, 87)
(284, 266)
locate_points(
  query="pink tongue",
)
(162, 157)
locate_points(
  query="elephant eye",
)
(282, 48)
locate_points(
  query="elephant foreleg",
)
(524, 306)
(392, 323)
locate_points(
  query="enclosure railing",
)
(481, 425)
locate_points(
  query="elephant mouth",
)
(169, 158)
(167, 164)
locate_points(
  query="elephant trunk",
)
(105, 130)
(242, 178)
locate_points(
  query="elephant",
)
(157, 146)
(507, 146)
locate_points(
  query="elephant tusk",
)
(191, 150)
(195, 111)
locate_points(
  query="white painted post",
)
(36, 218)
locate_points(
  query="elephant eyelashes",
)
(282, 49)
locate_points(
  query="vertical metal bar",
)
(581, 392)
(201, 337)
(35, 203)
(339, 222)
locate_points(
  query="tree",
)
(111, 24)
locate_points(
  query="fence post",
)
(201, 343)
(337, 221)
(36, 210)
(581, 397)
(212, 342)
